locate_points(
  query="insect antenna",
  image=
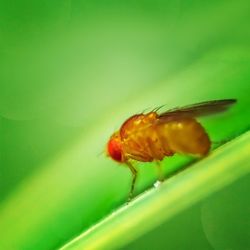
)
(101, 153)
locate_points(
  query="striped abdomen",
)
(147, 137)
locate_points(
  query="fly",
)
(155, 135)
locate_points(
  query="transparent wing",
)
(194, 110)
(199, 109)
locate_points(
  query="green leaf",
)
(150, 209)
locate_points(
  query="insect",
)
(155, 135)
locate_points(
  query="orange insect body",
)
(146, 139)
(142, 138)
(152, 136)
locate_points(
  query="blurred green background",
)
(72, 71)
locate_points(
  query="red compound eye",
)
(114, 149)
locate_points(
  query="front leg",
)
(134, 177)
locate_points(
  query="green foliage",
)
(73, 71)
(158, 204)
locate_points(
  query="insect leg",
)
(219, 143)
(160, 172)
(134, 176)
